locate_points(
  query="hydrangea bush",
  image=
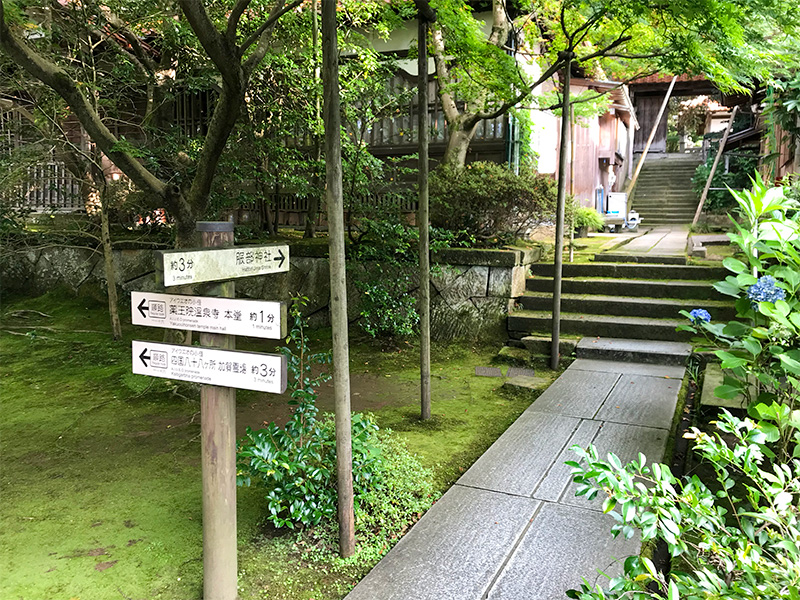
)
(741, 540)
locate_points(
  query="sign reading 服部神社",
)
(218, 264)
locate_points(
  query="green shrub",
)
(588, 217)
(487, 200)
(738, 541)
(387, 309)
(296, 464)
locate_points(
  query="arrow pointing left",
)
(143, 307)
(143, 357)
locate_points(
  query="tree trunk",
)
(455, 155)
(108, 264)
(424, 239)
(560, 206)
(335, 202)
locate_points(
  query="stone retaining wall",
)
(471, 290)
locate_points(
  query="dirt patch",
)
(369, 392)
(87, 552)
(129, 524)
(105, 565)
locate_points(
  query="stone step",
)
(626, 306)
(523, 323)
(632, 271)
(639, 258)
(665, 212)
(691, 290)
(656, 221)
(632, 350)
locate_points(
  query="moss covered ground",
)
(100, 469)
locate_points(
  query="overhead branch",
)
(261, 35)
(65, 86)
(233, 19)
(503, 108)
(603, 52)
(220, 50)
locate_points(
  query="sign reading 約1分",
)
(230, 316)
(211, 366)
(218, 264)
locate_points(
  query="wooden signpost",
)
(215, 364)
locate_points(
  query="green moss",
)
(101, 469)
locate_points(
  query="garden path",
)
(511, 527)
(663, 240)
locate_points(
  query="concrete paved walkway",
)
(660, 241)
(511, 528)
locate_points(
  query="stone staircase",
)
(618, 300)
(663, 193)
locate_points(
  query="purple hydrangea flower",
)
(700, 314)
(765, 290)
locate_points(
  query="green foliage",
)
(588, 217)
(388, 310)
(737, 177)
(762, 346)
(488, 200)
(296, 464)
(738, 541)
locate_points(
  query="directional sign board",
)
(211, 366)
(218, 264)
(253, 318)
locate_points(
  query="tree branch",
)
(618, 42)
(233, 19)
(65, 86)
(552, 70)
(221, 52)
(265, 28)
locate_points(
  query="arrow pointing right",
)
(143, 308)
(143, 357)
(281, 257)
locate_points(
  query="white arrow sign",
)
(253, 318)
(218, 264)
(211, 366)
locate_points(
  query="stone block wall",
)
(471, 290)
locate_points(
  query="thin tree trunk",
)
(560, 202)
(108, 264)
(335, 202)
(313, 201)
(424, 241)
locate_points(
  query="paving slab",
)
(626, 368)
(641, 400)
(563, 545)
(626, 441)
(488, 372)
(521, 458)
(455, 550)
(559, 477)
(528, 383)
(576, 395)
(520, 372)
(660, 241)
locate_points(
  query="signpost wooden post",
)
(218, 443)
(215, 364)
